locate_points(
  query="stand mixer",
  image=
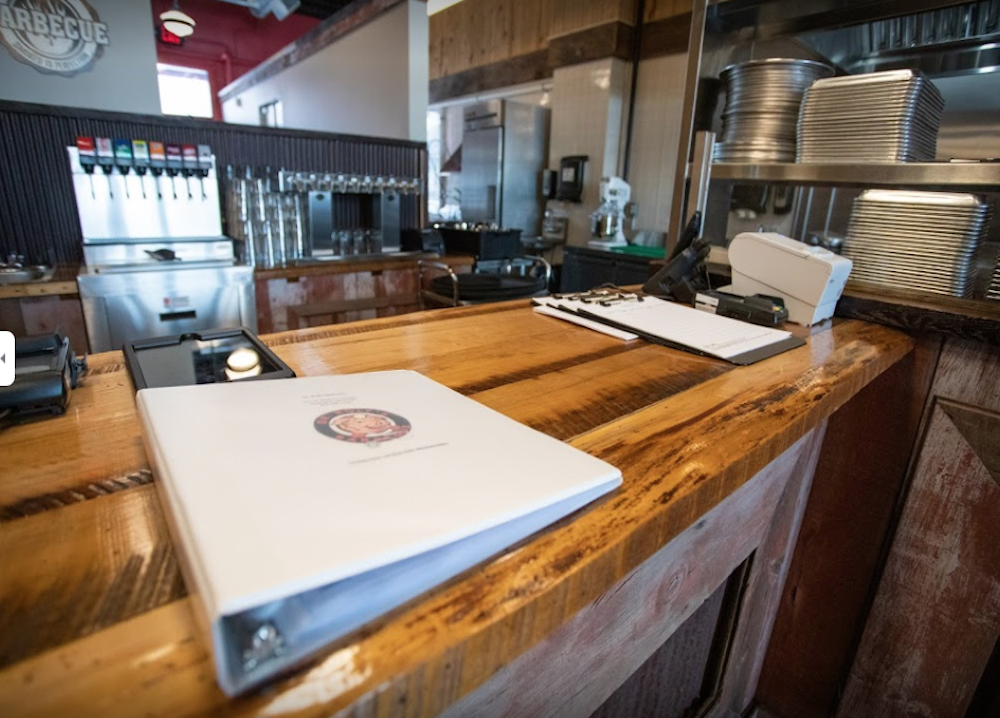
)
(607, 222)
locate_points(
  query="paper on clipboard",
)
(685, 328)
(549, 307)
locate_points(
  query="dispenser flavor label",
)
(55, 37)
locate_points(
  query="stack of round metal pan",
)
(890, 116)
(926, 241)
(762, 107)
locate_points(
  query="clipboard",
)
(678, 326)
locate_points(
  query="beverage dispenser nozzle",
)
(140, 158)
(189, 161)
(106, 159)
(88, 159)
(204, 166)
(175, 163)
(123, 161)
(157, 163)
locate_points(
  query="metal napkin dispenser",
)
(809, 279)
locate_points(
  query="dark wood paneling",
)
(917, 311)
(613, 39)
(665, 37)
(37, 205)
(514, 71)
(859, 479)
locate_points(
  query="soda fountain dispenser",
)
(157, 163)
(106, 159)
(140, 156)
(123, 161)
(175, 163)
(88, 159)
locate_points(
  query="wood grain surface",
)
(859, 480)
(686, 431)
(935, 621)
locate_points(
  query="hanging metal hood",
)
(939, 37)
(964, 39)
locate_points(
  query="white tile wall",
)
(655, 133)
(588, 102)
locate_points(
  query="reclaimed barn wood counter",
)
(94, 618)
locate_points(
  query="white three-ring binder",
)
(304, 508)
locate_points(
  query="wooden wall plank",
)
(665, 9)
(935, 620)
(840, 546)
(478, 33)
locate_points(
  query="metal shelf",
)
(969, 176)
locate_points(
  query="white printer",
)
(809, 279)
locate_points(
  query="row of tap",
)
(346, 183)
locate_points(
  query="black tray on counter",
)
(483, 244)
(209, 357)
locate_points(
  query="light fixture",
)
(177, 22)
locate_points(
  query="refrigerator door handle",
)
(491, 202)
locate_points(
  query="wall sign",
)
(59, 37)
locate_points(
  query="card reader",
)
(757, 309)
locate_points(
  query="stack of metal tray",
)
(994, 289)
(762, 107)
(890, 116)
(926, 241)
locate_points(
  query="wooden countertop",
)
(366, 264)
(95, 619)
(63, 282)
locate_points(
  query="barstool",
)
(516, 278)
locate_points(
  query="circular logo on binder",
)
(362, 426)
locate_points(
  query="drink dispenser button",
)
(175, 163)
(204, 165)
(157, 163)
(189, 161)
(106, 159)
(140, 158)
(88, 158)
(123, 160)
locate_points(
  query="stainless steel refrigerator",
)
(505, 147)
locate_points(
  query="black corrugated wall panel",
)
(38, 210)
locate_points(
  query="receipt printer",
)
(809, 279)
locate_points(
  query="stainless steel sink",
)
(23, 275)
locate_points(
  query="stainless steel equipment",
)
(607, 222)
(157, 263)
(504, 149)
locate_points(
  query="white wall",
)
(122, 78)
(655, 134)
(589, 103)
(372, 81)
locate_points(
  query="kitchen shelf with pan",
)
(967, 176)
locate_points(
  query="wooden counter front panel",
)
(935, 621)
(612, 639)
(298, 303)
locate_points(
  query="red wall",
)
(227, 40)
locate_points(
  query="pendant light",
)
(177, 22)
